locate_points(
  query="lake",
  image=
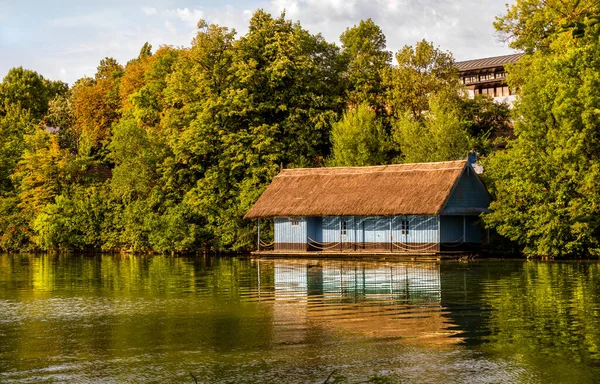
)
(120, 319)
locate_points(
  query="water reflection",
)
(156, 319)
(383, 300)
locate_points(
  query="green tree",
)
(277, 109)
(545, 183)
(363, 50)
(423, 71)
(487, 122)
(532, 25)
(440, 135)
(74, 221)
(14, 125)
(358, 139)
(29, 90)
(60, 116)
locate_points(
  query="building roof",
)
(405, 189)
(488, 62)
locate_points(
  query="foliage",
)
(73, 221)
(363, 51)
(545, 184)
(532, 25)
(358, 139)
(97, 106)
(487, 122)
(439, 135)
(167, 153)
(28, 90)
(14, 125)
(422, 71)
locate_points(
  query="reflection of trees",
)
(93, 308)
(133, 308)
(549, 310)
(462, 286)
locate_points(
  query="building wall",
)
(398, 233)
(451, 229)
(415, 230)
(458, 229)
(474, 229)
(469, 196)
(290, 233)
(375, 229)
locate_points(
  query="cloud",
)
(99, 19)
(463, 27)
(191, 17)
(170, 27)
(77, 38)
(149, 11)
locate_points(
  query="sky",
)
(65, 40)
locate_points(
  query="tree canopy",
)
(545, 183)
(169, 151)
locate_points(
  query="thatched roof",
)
(406, 189)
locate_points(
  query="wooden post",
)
(258, 240)
(464, 229)
(439, 237)
(391, 240)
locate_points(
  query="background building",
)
(487, 76)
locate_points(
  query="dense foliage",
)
(168, 152)
(546, 182)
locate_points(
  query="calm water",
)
(159, 319)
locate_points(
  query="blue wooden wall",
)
(452, 228)
(285, 232)
(379, 229)
(374, 229)
(468, 197)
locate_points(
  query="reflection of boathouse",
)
(399, 301)
(354, 280)
(409, 208)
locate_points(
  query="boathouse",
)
(407, 208)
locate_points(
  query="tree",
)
(60, 116)
(423, 71)
(44, 171)
(440, 135)
(487, 122)
(96, 105)
(545, 183)
(277, 109)
(358, 139)
(363, 49)
(14, 126)
(74, 221)
(532, 25)
(29, 90)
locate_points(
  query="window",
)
(405, 227)
(488, 91)
(344, 228)
(501, 75)
(295, 223)
(489, 76)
